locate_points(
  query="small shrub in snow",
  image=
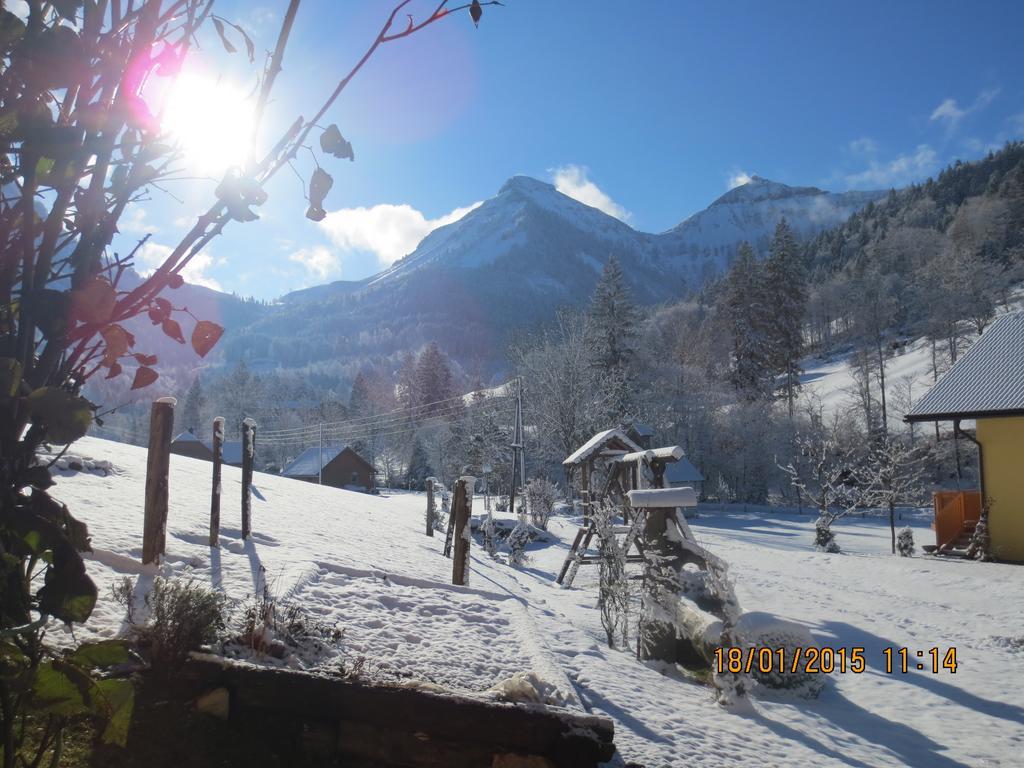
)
(489, 537)
(278, 629)
(905, 542)
(541, 495)
(760, 630)
(501, 503)
(824, 538)
(517, 541)
(184, 616)
(613, 594)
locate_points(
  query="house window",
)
(355, 478)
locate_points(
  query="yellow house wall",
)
(1003, 443)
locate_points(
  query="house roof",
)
(186, 437)
(610, 438)
(988, 381)
(307, 463)
(230, 451)
(682, 471)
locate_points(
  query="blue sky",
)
(647, 110)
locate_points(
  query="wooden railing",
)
(956, 513)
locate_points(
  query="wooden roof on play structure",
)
(609, 440)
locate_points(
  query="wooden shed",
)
(187, 444)
(341, 467)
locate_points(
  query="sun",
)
(210, 120)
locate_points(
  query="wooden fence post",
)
(462, 507)
(158, 466)
(218, 456)
(248, 454)
(430, 506)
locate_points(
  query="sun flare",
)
(210, 120)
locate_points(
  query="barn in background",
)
(342, 468)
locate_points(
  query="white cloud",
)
(318, 260)
(863, 146)
(133, 221)
(573, 181)
(151, 255)
(738, 179)
(902, 170)
(389, 231)
(953, 113)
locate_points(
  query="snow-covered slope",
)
(363, 563)
(751, 211)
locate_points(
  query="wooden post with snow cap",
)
(430, 506)
(665, 555)
(218, 457)
(462, 508)
(158, 467)
(248, 454)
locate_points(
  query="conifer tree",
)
(191, 413)
(746, 313)
(786, 294)
(434, 381)
(612, 328)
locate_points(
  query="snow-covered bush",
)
(488, 533)
(441, 517)
(541, 495)
(183, 616)
(501, 504)
(824, 538)
(517, 541)
(905, 542)
(613, 594)
(762, 630)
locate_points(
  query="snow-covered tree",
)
(191, 413)
(612, 329)
(541, 495)
(826, 475)
(747, 315)
(434, 380)
(418, 469)
(786, 289)
(891, 475)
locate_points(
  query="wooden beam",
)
(218, 457)
(158, 467)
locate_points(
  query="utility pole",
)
(320, 464)
(518, 450)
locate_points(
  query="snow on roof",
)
(230, 451)
(987, 381)
(188, 436)
(662, 498)
(683, 471)
(306, 464)
(643, 430)
(599, 441)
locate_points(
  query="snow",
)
(307, 463)
(363, 564)
(663, 497)
(593, 444)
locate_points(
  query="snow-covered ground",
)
(829, 381)
(365, 564)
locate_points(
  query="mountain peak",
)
(526, 184)
(760, 188)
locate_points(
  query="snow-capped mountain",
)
(751, 211)
(512, 262)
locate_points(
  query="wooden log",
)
(248, 454)
(430, 506)
(218, 457)
(467, 726)
(158, 467)
(462, 507)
